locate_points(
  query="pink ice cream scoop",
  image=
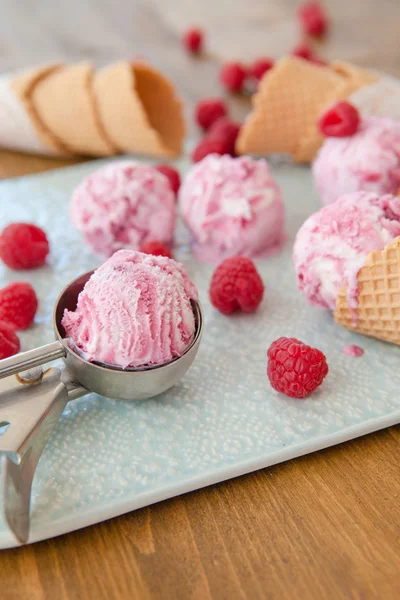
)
(123, 205)
(368, 161)
(232, 206)
(333, 244)
(134, 311)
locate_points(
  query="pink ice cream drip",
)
(135, 310)
(232, 206)
(123, 205)
(333, 244)
(367, 161)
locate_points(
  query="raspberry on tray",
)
(23, 246)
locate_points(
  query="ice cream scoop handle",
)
(30, 359)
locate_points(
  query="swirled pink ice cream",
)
(123, 205)
(333, 244)
(232, 206)
(135, 310)
(369, 161)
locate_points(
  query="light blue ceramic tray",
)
(107, 457)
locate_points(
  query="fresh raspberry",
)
(208, 111)
(155, 248)
(172, 175)
(313, 18)
(302, 50)
(340, 120)
(210, 145)
(193, 40)
(236, 285)
(226, 130)
(232, 76)
(18, 304)
(23, 246)
(9, 341)
(259, 67)
(294, 368)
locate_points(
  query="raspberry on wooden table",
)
(232, 76)
(226, 130)
(156, 248)
(236, 285)
(18, 304)
(259, 67)
(313, 18)
(173, 176)
(294, 368)
(208, 111)
(23, 246)
(193, 40)
(340, 120)
(9, 341)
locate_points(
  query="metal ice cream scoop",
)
(32, 400)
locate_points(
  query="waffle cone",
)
(285, 107)
(351, 79)
(378, 311)
(140, 110)
(65, 104)
(22, 84)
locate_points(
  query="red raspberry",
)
(340, 120)
(18, 304)
(208, 111)
(23, 246)
(236, 285)
(210, 145)
(156, 248)
(193, 40)
(313, 18)
(259, 67)
(226, 130)
(302, 50)
(172, 175)
(9, 341)
(232, 76)
(294, 368)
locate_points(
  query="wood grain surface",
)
(326, 526)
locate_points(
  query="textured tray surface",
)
(107, 457)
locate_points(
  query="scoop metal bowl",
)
(32, 402)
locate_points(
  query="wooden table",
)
(322, 526)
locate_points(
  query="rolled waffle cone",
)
(352, 79)
(21, 127)
(285, 107)
(378, 311)
(140, 110)
(65, 104)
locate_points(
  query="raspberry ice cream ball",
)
(135, 310)
(124, 205)
(334, 243)
(369, 161)
(232, 206)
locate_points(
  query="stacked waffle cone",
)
(288, 103)
(67, 110)
(377, 313)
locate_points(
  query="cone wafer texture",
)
(378, 311)
(145, 115)
(23, 84)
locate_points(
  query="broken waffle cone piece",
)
(378, 311)
(21, 127)
(352, 78)
(65, 104)
(285, 107)
(140, 110)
